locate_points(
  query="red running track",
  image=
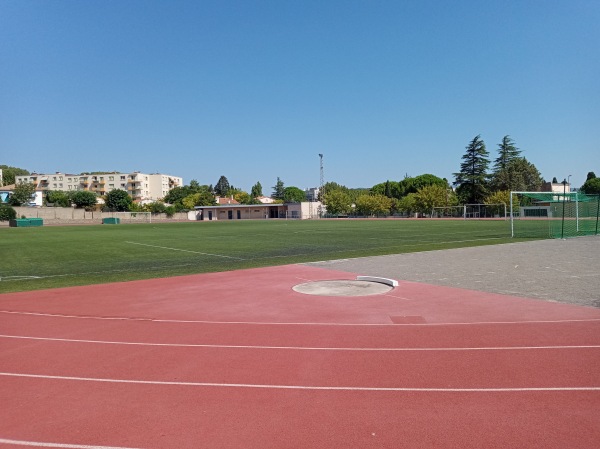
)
(239, 359)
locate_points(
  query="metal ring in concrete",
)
(342, 288)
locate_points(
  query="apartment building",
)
(142, 187)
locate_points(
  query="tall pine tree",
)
(256, 190)
(471, 181)
(278, 190)
(508, 153)
(222, 188)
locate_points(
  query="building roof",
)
(225, 201)
(239, 206)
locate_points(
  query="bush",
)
(170, 211)
(156, 207)
(7, 213)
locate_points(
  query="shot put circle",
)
(342, 288)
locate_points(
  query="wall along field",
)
(59, 256)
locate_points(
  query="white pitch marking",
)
(297, 387)
(299, 348)
(61, 445)
(259, 323)
(17, 278)
(185, 250)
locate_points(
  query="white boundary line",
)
(185, 250)
(298, 387)
(299, 348)
(61, 445)
(259, 323)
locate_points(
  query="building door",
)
(210, 214)
(239, 214)
(230, 214)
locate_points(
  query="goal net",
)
(467, 211)
(130, 217)
(553, 214)
(448, 212)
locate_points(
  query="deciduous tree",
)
(7, 213)
(156, 207)
(408, 203)
(433, 195)
(118, 200)
(23, 193)
(58, 198)
(591, 186)
(373, 205)
(9, 173)
(338, 202)
(502, 197)
(293, 195)
(84, 199)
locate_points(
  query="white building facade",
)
(142, 187)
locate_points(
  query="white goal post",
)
(469, 211)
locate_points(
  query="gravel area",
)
(554, 270)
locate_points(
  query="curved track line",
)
(259, 323)
(297, 348)
(61, 445)
(299, 387)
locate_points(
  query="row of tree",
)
(474, 184)
(510, 172)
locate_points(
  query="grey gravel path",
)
(553, 270)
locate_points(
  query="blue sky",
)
(255, 90)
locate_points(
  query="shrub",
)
(7, 213)
(170, 211)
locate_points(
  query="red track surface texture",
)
(240, 360)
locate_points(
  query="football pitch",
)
(60, 256)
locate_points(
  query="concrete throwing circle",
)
(342, 288)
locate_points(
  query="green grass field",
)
(49, 257)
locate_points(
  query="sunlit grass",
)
(47, 257)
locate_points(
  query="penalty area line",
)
(185, 250)
(300, 387)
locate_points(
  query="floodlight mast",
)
(321, 182)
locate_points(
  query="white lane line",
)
(61, 445)
(260, 323)
(296, 387)
(299, 348)
(185, 250)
